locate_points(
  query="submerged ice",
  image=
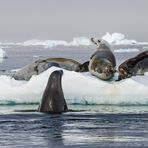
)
(78, 88)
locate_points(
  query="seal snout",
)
(122, 74)
(61, 72)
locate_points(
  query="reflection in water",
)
(50, 128)
(75, 129)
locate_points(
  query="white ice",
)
(79, 88)
(123, 50)
(117, 38)
(113, 39)
(3, 55)
(77, 41)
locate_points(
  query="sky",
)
(64, 19)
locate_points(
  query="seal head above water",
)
(53, 100)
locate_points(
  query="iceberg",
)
(78, 88)
(3, 54)
(118, 39)
(80, 41)
(77, 41)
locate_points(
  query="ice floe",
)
(79, 88)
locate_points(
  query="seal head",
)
(102, 68)
(137, 65)
(102, 63)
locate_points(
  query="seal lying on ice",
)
(40, 66)
(102, 63)
(53, 100)
(137, 65)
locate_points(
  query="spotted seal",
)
(137, 65)
(102, 63)
(40, 66)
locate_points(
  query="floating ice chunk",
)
(3, 53)
(126, 50)
(145, 47)
(80, 41)
(117, 38)
(45, 43)
(36, 56)
(79, 88)
(146, 73)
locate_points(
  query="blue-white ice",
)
(3, 53)
(79, 88)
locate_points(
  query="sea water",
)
(89, 125)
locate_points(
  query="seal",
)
(137, 65)
(53, 100)
(40, 66)
(102, 63)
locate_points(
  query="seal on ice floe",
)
(102, 63)
(40, 66)
(137, 65)
(53, 100)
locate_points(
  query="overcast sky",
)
(64, 19)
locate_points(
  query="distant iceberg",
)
(78, 41)
(113, 39)
(118, 39)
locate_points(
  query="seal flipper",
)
(53, 100)
(83, 67)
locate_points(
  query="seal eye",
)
(99, 41)
(99, 70)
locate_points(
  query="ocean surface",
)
(87, 126)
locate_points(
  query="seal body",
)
(137, 65)
(102, 63)
(53, 100)
(40, 66)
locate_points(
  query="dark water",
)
(89, 126)
(74, 129)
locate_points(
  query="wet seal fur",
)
(53, 100)
(137, 65)
(102, 63)
(40, 66)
